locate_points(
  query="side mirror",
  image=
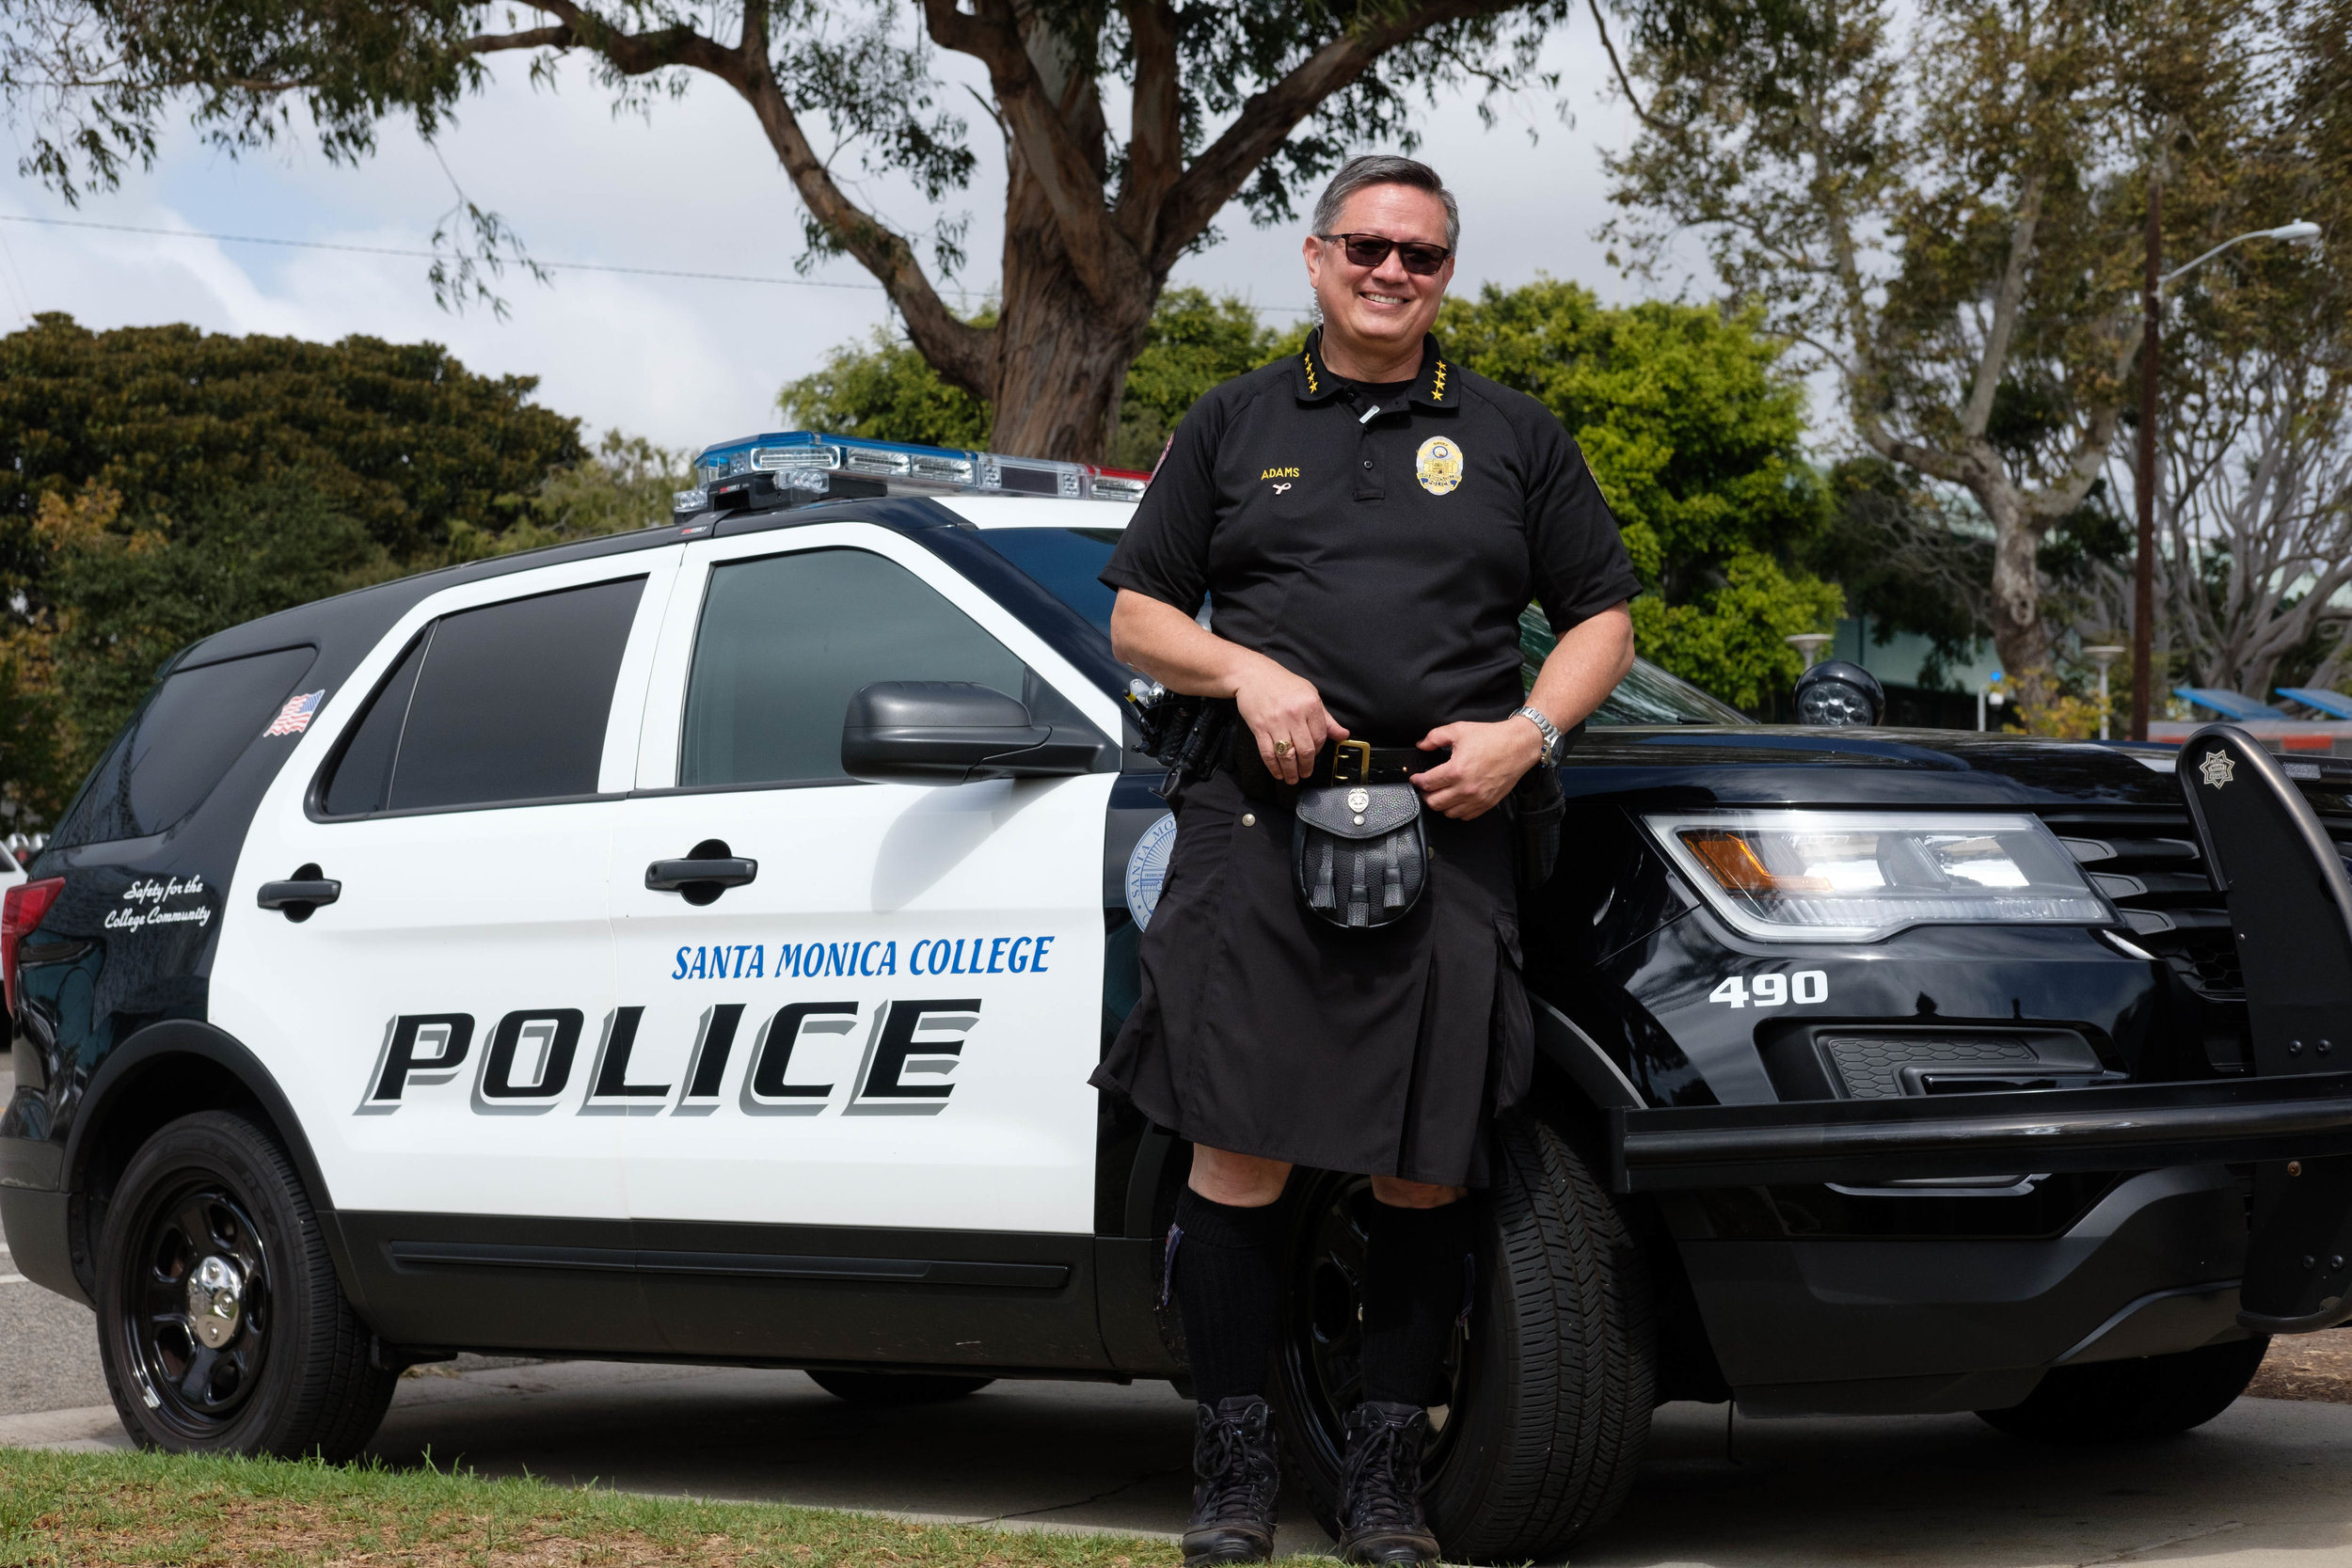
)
(954, 732)
(1837, 693)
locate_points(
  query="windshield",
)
(1068, 562)
(1648, 695)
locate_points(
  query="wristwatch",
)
(1551, 732)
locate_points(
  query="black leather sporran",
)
(1359, 857)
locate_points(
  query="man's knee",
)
(1399, 1194)
(1244, 1180)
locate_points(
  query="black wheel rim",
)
(194, 1307)
(1323, 1345)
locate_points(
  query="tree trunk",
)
(2018, 633)
(1062, 355)
(1060, 368)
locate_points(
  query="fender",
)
(1559, 1041)
(176, 1039)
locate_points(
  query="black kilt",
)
(1262, 1029)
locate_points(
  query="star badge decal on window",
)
(2215, 769)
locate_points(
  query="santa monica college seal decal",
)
(1437, 465)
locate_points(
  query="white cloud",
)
(696, 189)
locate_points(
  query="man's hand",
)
(1487, 760)
(1182, 655)
(1281, 706)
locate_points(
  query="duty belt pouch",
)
(1537, 811)
(1359, 857)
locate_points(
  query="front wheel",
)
(2126, 1401)
(1551, 1384)
(221, 1326)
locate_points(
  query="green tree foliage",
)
(1245, 101)
(1693, 425)
(885, 390)
(399, 436)
(160, 483)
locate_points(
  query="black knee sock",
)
(1415, 1287)
(1224, 1276)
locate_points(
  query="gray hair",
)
(1384, 168)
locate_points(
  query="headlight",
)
(1825, 876)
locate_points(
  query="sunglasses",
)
(1370, 250)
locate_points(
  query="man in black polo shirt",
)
(1366, 521)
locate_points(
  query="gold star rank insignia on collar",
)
(1438, 465)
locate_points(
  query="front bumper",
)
(2123, 1126)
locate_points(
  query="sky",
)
(694, 187)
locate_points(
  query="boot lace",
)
(1235, 1464)
(1384, 1476)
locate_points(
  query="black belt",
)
(1345, 762)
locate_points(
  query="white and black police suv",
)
(694, 944)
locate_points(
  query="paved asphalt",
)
(2267, 1485)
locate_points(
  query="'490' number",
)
(1805, 988)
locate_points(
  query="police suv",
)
(693, 945)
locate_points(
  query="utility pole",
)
(2144, 568)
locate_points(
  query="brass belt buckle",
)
(1362, 752)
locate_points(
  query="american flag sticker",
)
(296, 716)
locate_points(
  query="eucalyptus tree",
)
(1945, 201)
(1128, 127)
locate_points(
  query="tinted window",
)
(504, 703)
(168, 758)
(784, 643)
(363, 776)
(1066, 562)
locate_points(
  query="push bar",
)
(2126, 1126)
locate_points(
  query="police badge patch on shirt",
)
(1437, 465)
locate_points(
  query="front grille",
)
(2150, 867)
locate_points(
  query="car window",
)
(506, 703)
(1066, 562)
(168, 758)
(787, 640)
(1648, 695)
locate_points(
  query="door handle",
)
(305, 891)
(708, 869)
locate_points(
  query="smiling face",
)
(1374, 318)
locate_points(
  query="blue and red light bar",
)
(813, 465)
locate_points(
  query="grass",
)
(60, 1509)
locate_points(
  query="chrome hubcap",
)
(215, 1301)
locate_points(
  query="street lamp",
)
(2151, 308)
(2104, 654)
(1810, 645)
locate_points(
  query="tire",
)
(1553, 1385)
(2134, 1402)
(887, 1388)
(286, 1368)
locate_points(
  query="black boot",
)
(1380, 1517)
(1233, 1507)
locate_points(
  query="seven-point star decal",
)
(2217, 768)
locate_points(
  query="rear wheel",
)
(2125, 1401)
(221, 1326)
(1551, 1384)
(898, 1387)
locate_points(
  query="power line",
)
(430, 256)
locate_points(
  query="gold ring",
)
(1281, 748)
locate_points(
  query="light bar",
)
(809, 465)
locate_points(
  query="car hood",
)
(1765, 764)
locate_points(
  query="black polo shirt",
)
(1384, 558)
